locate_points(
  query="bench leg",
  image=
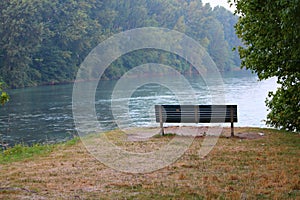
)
(231, 116)
(162, 132)
(232, 130)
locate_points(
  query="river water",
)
(44, 114)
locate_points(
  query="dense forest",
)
(44, 42)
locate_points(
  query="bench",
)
(196, 114)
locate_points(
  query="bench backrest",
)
(196, 113)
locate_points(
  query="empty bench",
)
(196, 114)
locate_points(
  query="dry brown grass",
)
(265, 167)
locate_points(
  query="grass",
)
(264, 168)
(21, 152)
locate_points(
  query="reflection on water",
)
(44, 114)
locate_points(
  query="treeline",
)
(44, 42)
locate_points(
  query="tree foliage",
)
(270, 31)
(4, 98)
(44, 42)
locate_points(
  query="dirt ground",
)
(202, 131)
(196, 131)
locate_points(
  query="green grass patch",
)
(71, 142)
(21, 152)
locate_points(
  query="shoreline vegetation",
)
(55, 83)
(256, 164)
(52, 46)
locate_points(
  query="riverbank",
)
(245, 167)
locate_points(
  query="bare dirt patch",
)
(200, 131)
(250, 135)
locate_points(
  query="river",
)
(44, 114)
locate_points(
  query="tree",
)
(69, 33)
(4, 98)
(45, 41)
(20, 36)
(228, 21)
(270, 31)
